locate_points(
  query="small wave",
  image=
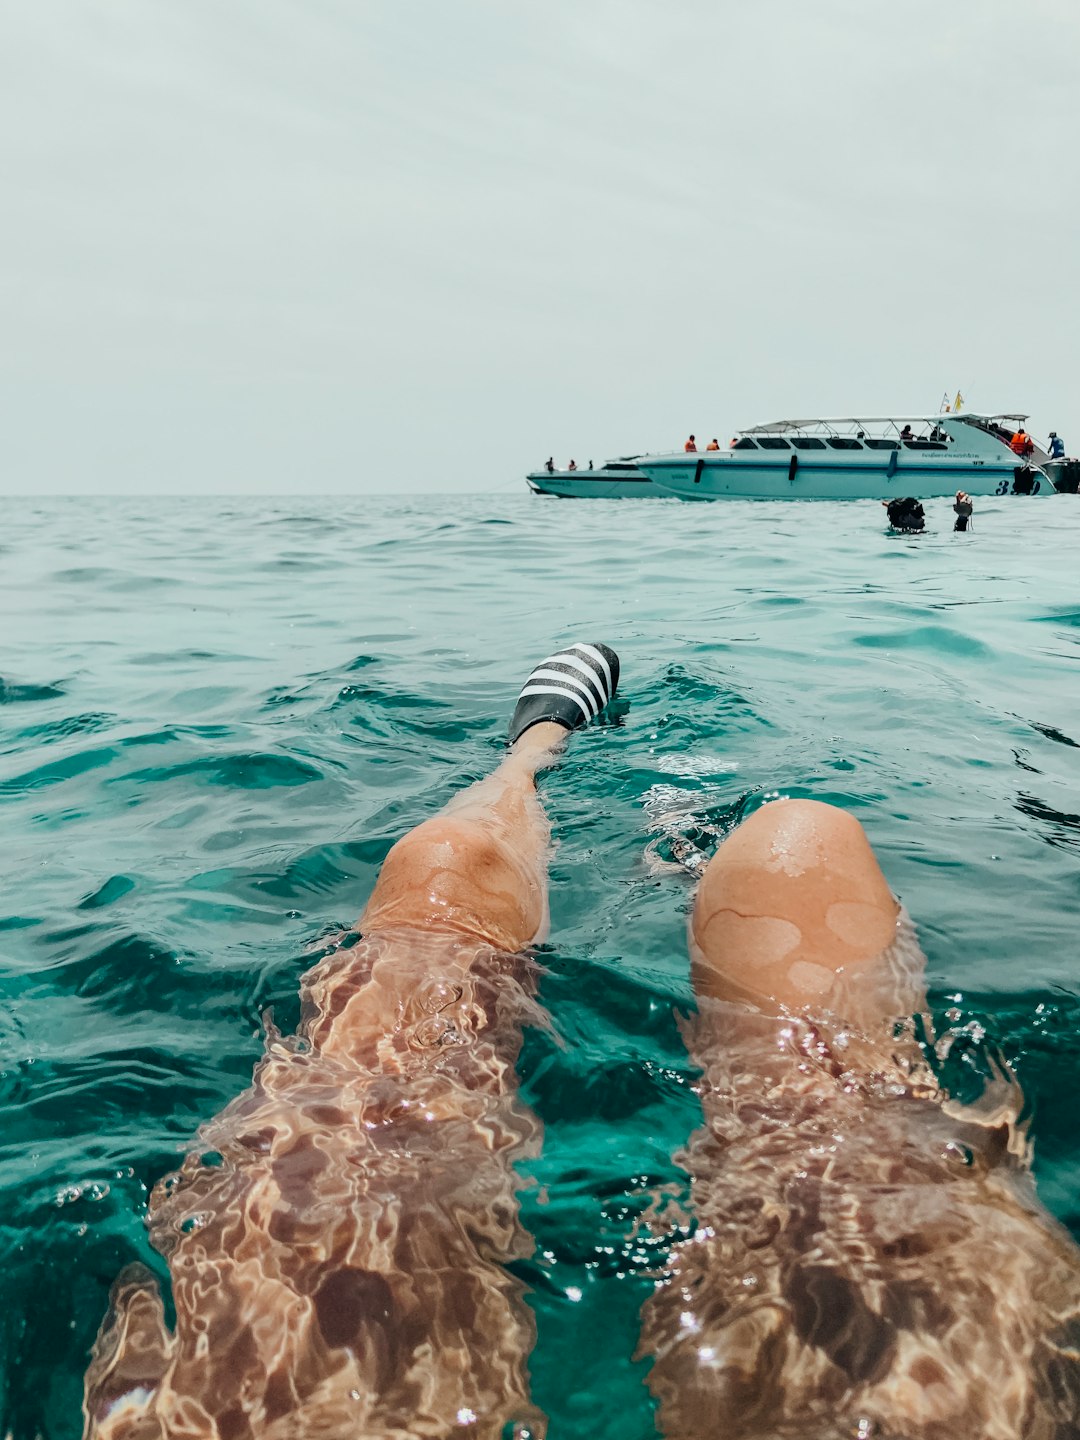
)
(14, 693)
(937, 638)
(1052, 733)
(94, 960)
(70, 767)
(1061, 829)
(54, 730)
(245, 771)
(155, 658)
(113, 889)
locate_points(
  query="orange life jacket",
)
(1018, 442)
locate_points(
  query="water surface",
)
(216, 716)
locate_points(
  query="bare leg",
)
(792, 905)
(337, 1243)
(870, 1258)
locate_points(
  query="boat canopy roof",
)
(780, 427)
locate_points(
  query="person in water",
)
(963, 508)
(868, 1257)
(905, 513)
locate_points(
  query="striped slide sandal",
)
(570, 688)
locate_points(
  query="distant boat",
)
(615, 480)
(858, 459)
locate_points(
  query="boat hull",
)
(922, 475)
(595, 485)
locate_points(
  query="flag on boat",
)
(944, 406)
(958, 403)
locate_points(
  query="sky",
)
(395, 246)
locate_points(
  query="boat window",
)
(744, 444)
(844, 442)
(873, 443)
(925, 445)
(619, 465)
(808, 442)
(773, 442)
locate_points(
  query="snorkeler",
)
(905, 513)
(868, 1256)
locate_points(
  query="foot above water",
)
(569, 688)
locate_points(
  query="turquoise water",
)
(218, 716)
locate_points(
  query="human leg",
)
(869, 1258)
(793, 911)
(338, 1240)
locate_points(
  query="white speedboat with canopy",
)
(874, 458)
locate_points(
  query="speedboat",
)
(859, 459)
(615, 480)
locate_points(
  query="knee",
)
(456, 874)
(790, 898)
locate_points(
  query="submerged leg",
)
(338, 1240)
(869, 1259)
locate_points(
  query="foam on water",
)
(217, 717)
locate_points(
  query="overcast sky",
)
(401, 245)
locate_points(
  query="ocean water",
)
(216, 716)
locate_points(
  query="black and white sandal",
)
(570, 688)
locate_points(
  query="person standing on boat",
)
(713, 444)
(1022, 443)
(691, 446)
(549, 465)
(1057, 446)
(572, 465)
